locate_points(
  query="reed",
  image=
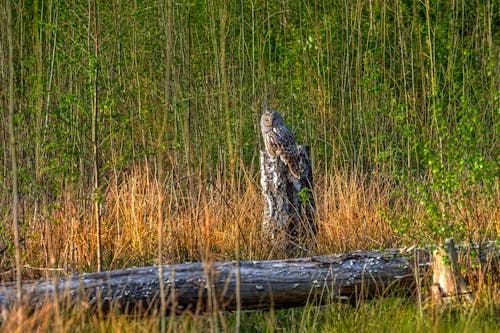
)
(143, 133)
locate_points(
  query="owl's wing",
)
(288, 150)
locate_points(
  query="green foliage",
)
(404, 92)
(459, 171)
(398, 89)
(304, 196)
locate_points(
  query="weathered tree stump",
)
(449, 286)
(289, 203)
(287, 183)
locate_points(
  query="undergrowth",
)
(213, 223)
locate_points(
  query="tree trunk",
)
(94, 132)
(289, 204)
(448, 284)
(13, 153)
(263, 284)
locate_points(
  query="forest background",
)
(135, 131)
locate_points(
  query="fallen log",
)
(197, 287)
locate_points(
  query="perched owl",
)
(280, 141)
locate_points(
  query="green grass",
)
(388, 314)
(391, 314)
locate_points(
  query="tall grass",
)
(398, 100)
(220, 224)
(214, 222)
(389, 314)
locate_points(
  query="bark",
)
(13, 153)
(263, 284)
(289, 204)
(448, 283)
(94, 79)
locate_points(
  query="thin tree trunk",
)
(95, 144)
(37, 50)
(164, 114)
(163, 303)
(13, 155)
(224, 90)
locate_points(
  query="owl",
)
(280, 141)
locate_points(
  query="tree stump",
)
(289, 204)
(449, 286)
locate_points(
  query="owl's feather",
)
(280, 141)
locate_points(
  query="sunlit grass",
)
(398, 101)
(389, 314)
(213, 223)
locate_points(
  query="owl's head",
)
(269, 119)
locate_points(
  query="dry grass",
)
(210, 222)
(198, 223)
(348, 213)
